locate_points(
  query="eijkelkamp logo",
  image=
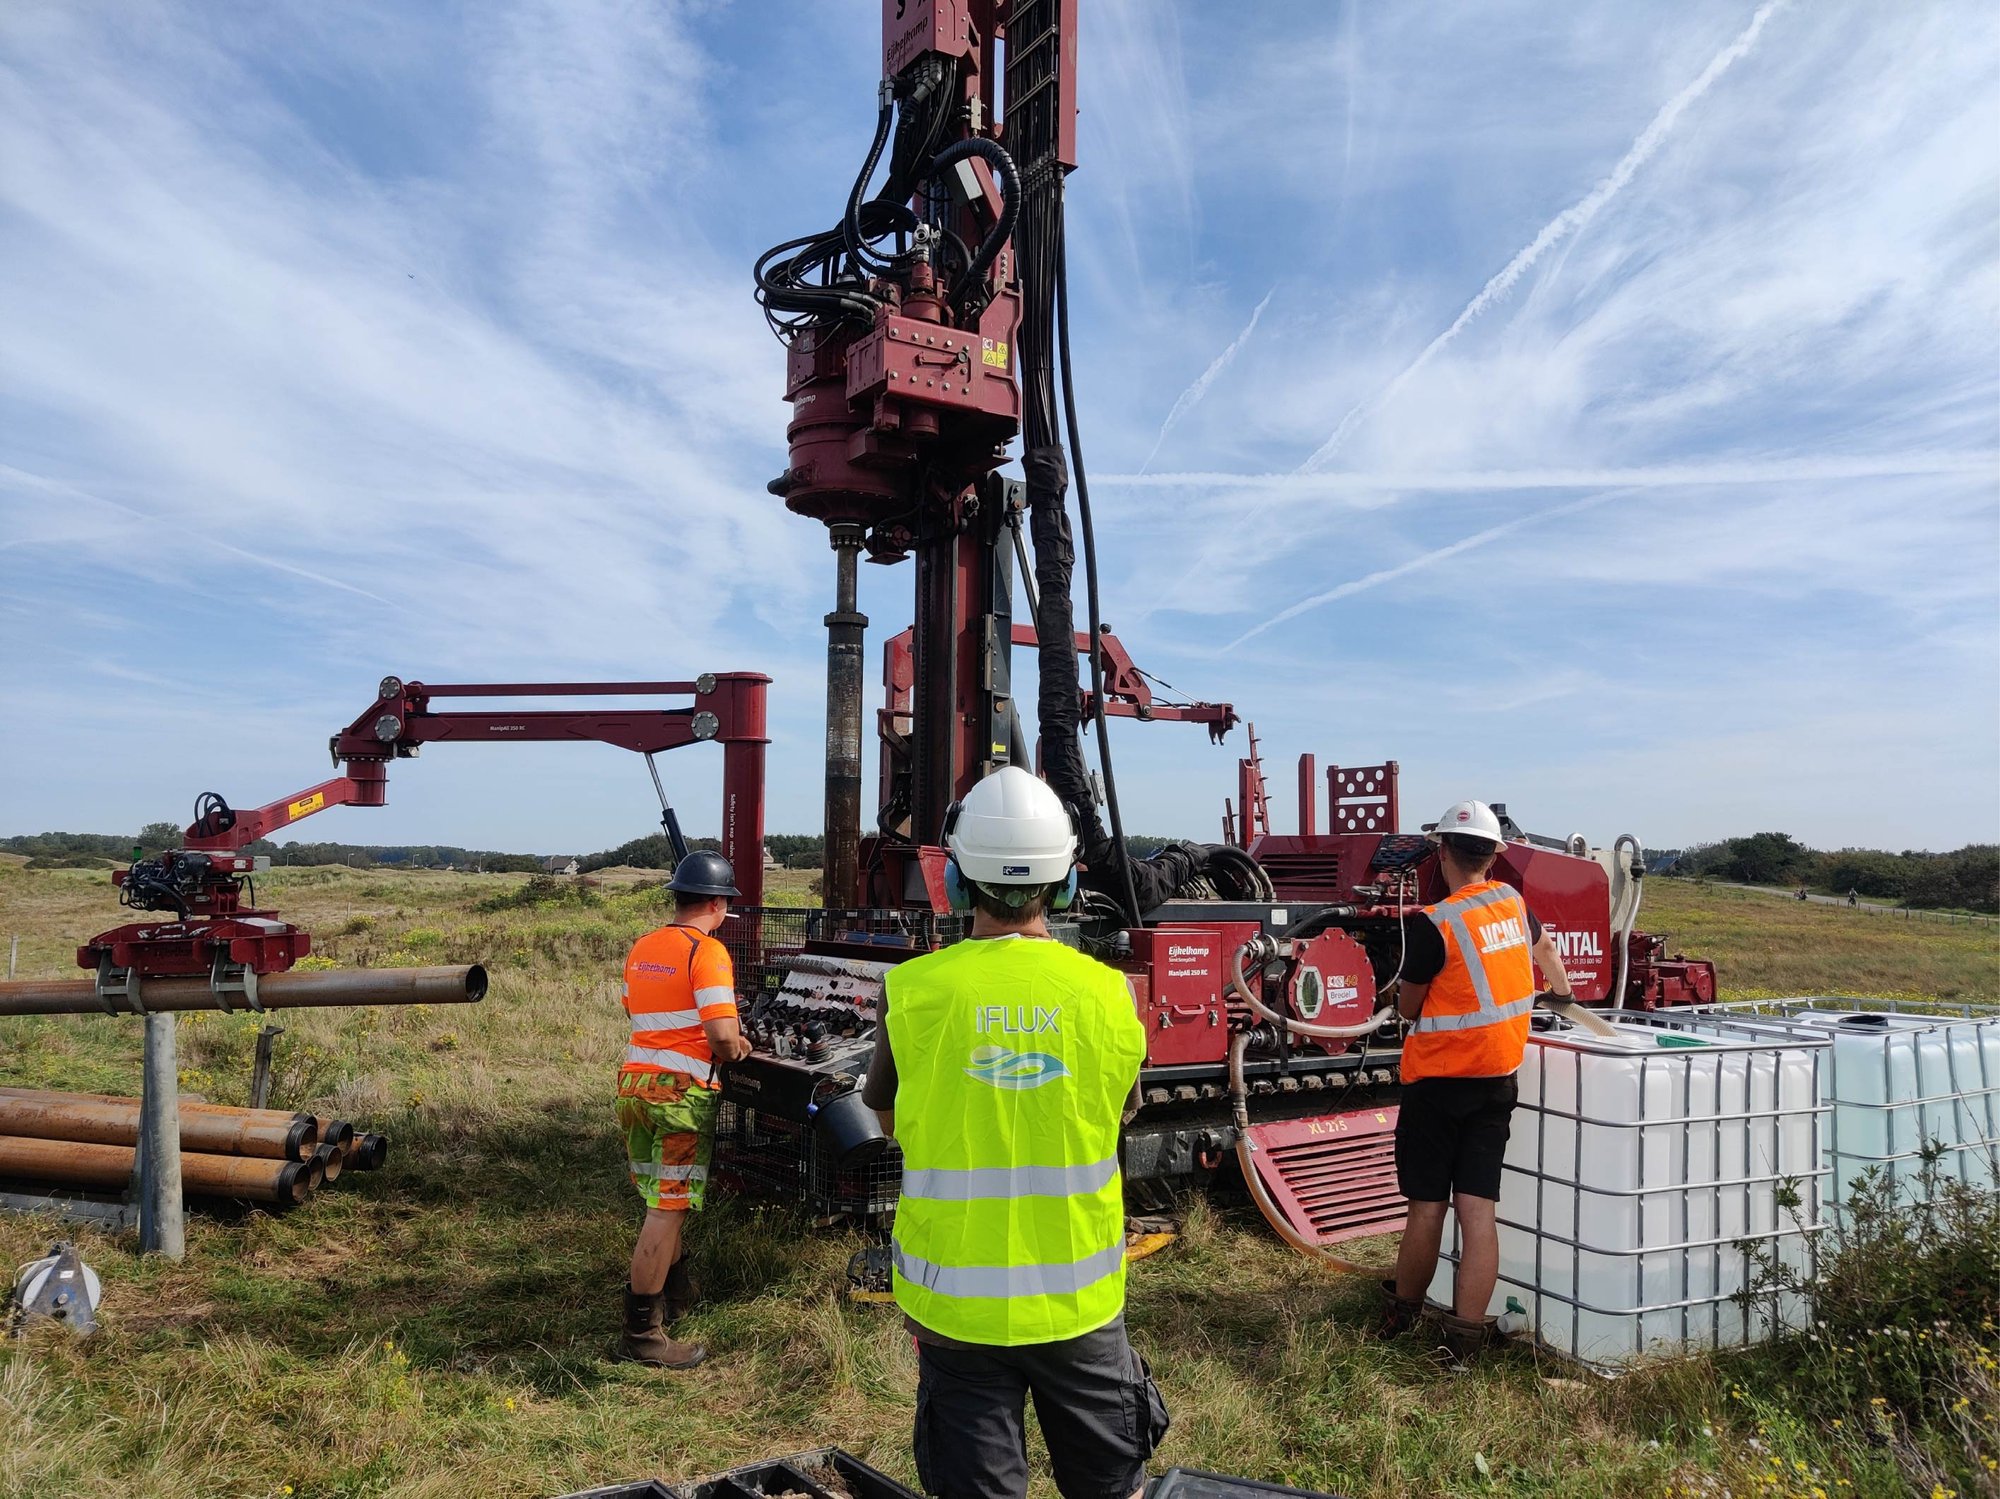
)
(998, 1067)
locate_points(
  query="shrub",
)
(1904, 1343)
(543, 890)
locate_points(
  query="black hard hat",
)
(703, 873)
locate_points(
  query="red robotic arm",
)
(727, 707)
(204, 884)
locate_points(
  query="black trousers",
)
(1100, 1412)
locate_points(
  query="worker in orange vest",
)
(1467, 985)
(680, 997)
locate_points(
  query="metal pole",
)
(840, 871)
(260, 1073)
(162, 1229)
(13, 955)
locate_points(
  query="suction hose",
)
(1242, 991)
(1636, 881)
(1246, 1149)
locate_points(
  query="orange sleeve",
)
(714, 980)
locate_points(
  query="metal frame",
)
(1806, 1226)
(1980, 1102)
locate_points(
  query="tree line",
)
(1966, 879)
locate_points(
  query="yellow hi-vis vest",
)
(1014, 1060)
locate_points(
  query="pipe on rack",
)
(275, 991)
(102, 1121)
(1242, 991)
(245, 1178)
(1246, 1150)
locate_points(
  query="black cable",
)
(1119, 849)
(1002, 167)
(850, 224)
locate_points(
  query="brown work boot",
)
(644, 1342)
(681, 1293)
(1465, 1338)
(1399, 1315)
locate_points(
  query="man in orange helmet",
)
(1468, 983)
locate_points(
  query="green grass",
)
(443, 1327)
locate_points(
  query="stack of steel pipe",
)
(88, 1140)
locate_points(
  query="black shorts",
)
(1451, 1136)
(1101, 1416)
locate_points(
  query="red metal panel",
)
(1333, 1176)
(1571, 897)
(1308, 796)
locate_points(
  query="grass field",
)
(443, 1327)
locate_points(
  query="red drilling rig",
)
(926, 330)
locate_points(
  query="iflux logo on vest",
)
(1498, 936)
(1021, 1020)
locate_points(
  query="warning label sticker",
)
(305, 805)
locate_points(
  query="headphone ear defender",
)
(1065, 894)
(955, 893)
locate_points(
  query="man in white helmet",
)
(1467, 985)
(1004, 1065)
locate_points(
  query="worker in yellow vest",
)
(1005, 1065)
(1467, 986)
(680, 1000)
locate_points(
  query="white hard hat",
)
(1470, 820)
(1011, 829)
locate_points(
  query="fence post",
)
(13, 955)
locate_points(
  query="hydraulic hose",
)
(1002, 166)
(850, 222)
(1119, 850)
(1243, 992)
(1636, 880)
(1246, 1150)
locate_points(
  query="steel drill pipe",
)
(245, 1178)
(275, 991)
(368, 1152)
(290, 1137)
(331, 1160)
(336, 1132)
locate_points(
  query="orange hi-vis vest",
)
(675, 978)
(1475, 1017)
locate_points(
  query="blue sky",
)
(1593, 407)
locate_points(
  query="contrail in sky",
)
(1417, 564)
(1196, 391)
(1558, 228)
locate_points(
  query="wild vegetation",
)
(442, 1327)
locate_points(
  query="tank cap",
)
(1863, 1022)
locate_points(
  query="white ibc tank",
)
(1897, 1082)
(1636, 1171)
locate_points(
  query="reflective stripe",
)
(673, 1061)
(1469, 956)
(715, 994)
(979, 1183)
(663, 1020)
(1010, 1280)
(669, 1173)
(1473, 1019)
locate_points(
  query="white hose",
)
(1636, 880)
(1241, 990)
(1246, 1149)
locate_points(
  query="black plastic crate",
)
(778, 1475)
(795, 1475)
(1188, 1483)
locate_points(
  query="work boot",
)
(1465, 1338)
(1399, 1314)
(681, 1293)
(644, 1342)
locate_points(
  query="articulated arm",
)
(727, 707)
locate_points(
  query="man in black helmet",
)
(680, 997)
